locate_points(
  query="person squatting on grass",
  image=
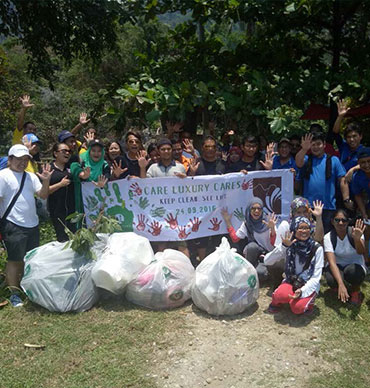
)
(344, 248)
(303, 268)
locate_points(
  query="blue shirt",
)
(3, 162)
(347, 157)
(276, 164)
(360, 183)
(317, 187)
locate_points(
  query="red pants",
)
(298, 306)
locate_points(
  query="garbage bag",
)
(59, 279)
(225, 282)
(165, 283)
(125, 255)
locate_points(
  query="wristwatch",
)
(348, 200)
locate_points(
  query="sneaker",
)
(273, 309)
(15, 300)
(356, 298)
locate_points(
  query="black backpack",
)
(334, 237)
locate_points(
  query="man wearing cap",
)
(20, 228)
(284, 160)
(69, 138)
(32, 142)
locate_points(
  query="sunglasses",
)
(338, 220)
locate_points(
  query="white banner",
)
(172, 209)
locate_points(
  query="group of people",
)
(331, 182)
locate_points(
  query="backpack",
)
(334, 237)
(308, 167)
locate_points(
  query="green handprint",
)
(121, 213)
(158, 212)
(143, 202)
(239, 214)
(92, 203)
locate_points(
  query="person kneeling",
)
(303, 268)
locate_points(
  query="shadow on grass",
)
(247, 313)
(331, 301)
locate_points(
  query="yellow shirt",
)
(17, 136)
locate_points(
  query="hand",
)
(180, 175)
(271, 222)
(188, 146)
(195, 224)
(31, 147)
(349, 175)
(182, 233)
(358, 230)
(343, 108)
(25, 101)
(155, 225)
(136, 189)
(193, 166)
(215, 224)
(85, 173)
(172, 221)
(117, 169)
(83, 118)
(270, 150)
(267, 164)
(89, 136)
(45, 173)
(343, 293)
(245, 172)
(102, 181)
(317, 209)
(297, 294)
(287, 239)
(177, 127)
(224, 156)
(306, 142)
(225, 214)
(247, 184)
(141, 224)
(141, 159)
(65, 182)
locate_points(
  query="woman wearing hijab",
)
(93, 168)
(301, 207)
(259, 232)
(303, 268)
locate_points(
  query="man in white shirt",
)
(20, 228)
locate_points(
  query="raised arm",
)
(342, 111)
(83, 121)
(26, 104)
(306, 143)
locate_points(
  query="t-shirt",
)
(317, 187)
(23, 212)
(158, 170)
(217, 167)
(361, 183)
(255, 165)
(17, 136)
(132, 166)
(348, 158)
(276, 163)
(61, 202)
(345, 253)
(3, 162)
(262, 239)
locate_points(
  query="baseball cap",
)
(18, 150)
(32, 138)
(164, 141)
(284, 140)
(64, 135)
(363, 153)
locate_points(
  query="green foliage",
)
(83, 240)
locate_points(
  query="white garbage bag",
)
(125, 255)
(225, 282)
(165, 283)
(59, 279)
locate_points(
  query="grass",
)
(346, 342)
(112, 344)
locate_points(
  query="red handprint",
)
(195, 224)
(136, 189)
(215, 224)
(247, 184)
(182, 232)
(156, 228)
(172, 221)
(141, 225)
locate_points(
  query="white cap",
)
(18, 151)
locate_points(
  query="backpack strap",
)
(328, 167)
(333, 238)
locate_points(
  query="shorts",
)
(18, 240)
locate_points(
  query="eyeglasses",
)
(256, 208)
(65, 151)
(338, 220)
(303, 228)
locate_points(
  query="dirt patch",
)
(254, 349)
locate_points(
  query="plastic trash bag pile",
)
(61, 280)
